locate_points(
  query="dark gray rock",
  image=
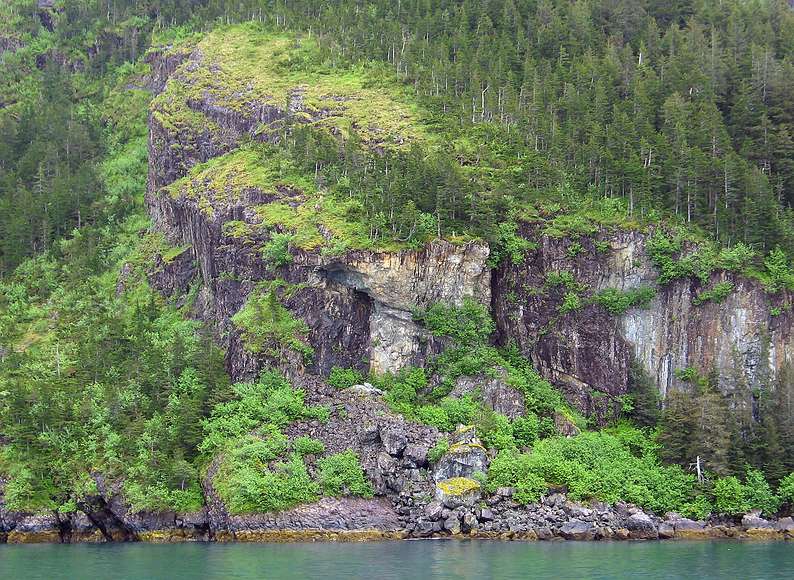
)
(495, 393)
(394, 440)
(417, 454)
(577, 530)
(452, 524)
(786, 524)
(666, 530)
(433, 510)
(642, 527)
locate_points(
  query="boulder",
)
(394, 439)
(423, 529)
(458, 491)
(495, 393)
(465, 457)
(577, 530)
(366, 390)
(416, 454)
(666, 531)
(786, 525)
(686, 528)
(433, 510)
(642, 527)
(754, 521)
(544, 533)
(452, 524)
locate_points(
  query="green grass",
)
(245, 66)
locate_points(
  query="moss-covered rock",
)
(458, 491)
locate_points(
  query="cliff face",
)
(588, 351)
(358, 304)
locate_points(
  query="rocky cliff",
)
(358, 303)
(588, 351)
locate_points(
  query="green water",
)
(384, 560)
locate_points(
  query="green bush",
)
(729, 496)
(438, 450)
(525, 430)
(759, 494)
(276, 251)
(508, 244)
(617, 302)
(511, 469)
(304, 446)
(344, 378)
(249, 486)
(786, 489)
(719, 292)
(597, 465)
(570, 303)
(778, 274)
(341, 474)
(495, 430)
(469, 324)
(270, 402)
(566, 279)
(267, 326)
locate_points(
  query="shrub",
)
(438, 450)
(461, 411)
(402, 388)
(511, 469)
(341, 474)
(344, 378)
(304, 445)
(729, 496)
(267, 326)
(248, 486)
(469, 324)
(786, 489)
(555, 279)
(270, 401)
(495, 430)
(777, 271)
(525, 430)
(596, 465)
(574, 249)
(758, 494)
(509, 245)
(617, 302)
(434, 416)
(570, 303)
(276, 251)
(699, 508)
(717, 293)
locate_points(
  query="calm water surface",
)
(385, 560)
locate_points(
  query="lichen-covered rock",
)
(458, 491)
(464, 458)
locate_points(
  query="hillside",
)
(267, 281)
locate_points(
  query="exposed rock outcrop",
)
(587, 352)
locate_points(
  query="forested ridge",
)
(678, 115)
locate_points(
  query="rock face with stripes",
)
(359, 305)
